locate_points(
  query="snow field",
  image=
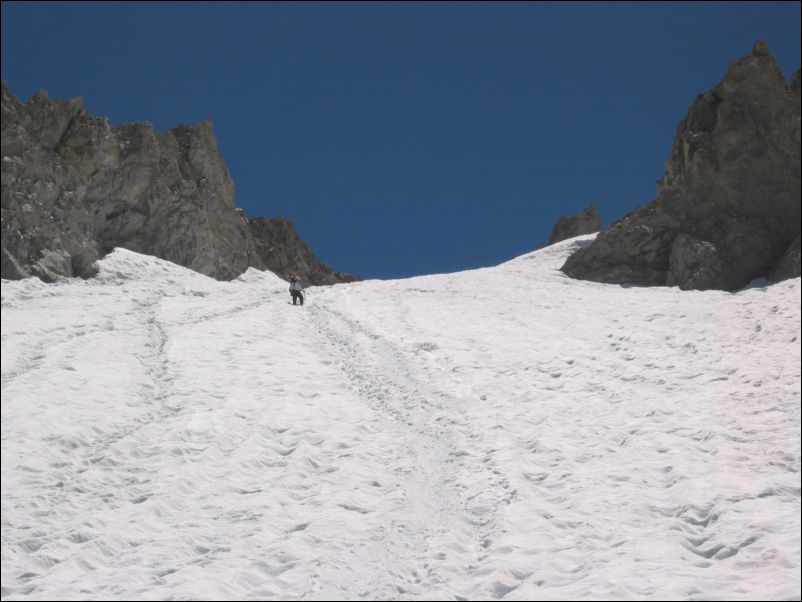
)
(503, 433)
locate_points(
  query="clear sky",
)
(405, 138)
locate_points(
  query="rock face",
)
(586, 221)
(282, 251)
(73, 188)
(728, 206)
(790, 263)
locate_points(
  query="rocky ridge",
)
(728, 207)
(75, 187)
(586, 221)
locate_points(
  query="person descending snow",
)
(295, 289)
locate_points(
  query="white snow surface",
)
(501, 433)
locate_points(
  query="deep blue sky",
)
(405, 138)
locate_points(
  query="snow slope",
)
(503, 433)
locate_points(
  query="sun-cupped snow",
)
(501, 433)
